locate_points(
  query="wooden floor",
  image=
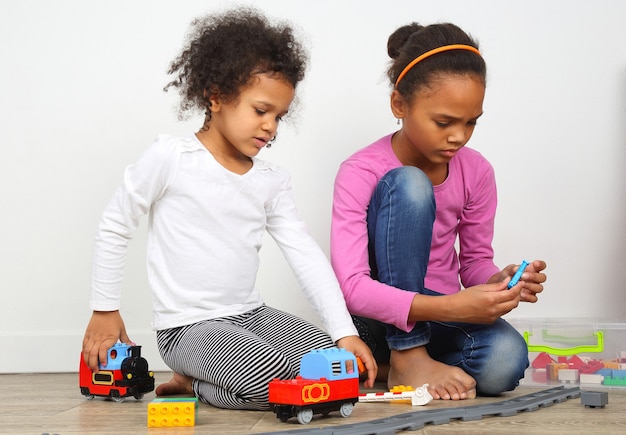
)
(52, 404)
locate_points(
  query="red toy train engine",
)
(328, 381)
(126, 374)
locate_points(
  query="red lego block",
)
(542, 360)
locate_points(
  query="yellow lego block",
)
(172, 412)
(401, 388)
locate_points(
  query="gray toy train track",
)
(418, 419)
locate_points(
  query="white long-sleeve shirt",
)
(206, 226)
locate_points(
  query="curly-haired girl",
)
(210, 200)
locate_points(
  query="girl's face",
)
(244, 126)
(438, 121)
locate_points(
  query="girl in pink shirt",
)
(401, 208)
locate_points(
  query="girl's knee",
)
(406, 176)
(407, 185)
(496, 382)
(504, 369)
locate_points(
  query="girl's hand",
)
(533, 281)
(104, 330)
(361, 350)
(483, 303)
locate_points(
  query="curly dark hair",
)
(413, 40)
(223, 52)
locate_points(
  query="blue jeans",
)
(400, 220)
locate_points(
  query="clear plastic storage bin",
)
(581, 352)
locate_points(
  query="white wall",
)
(80, 98)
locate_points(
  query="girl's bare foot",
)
(179, 384)
(414, 367)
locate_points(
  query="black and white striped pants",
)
(233, 359)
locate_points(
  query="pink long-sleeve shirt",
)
(466, 206)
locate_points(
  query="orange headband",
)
(435, 51)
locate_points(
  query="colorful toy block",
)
(172, 412)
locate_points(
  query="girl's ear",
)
(214, 99)
(398, 105)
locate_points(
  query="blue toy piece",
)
(115, 356)
(332, 364)
(518, 274)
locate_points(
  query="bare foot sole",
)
(179, 384)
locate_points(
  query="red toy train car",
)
(126, 374)
(328, 381)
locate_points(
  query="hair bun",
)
(398, 38)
